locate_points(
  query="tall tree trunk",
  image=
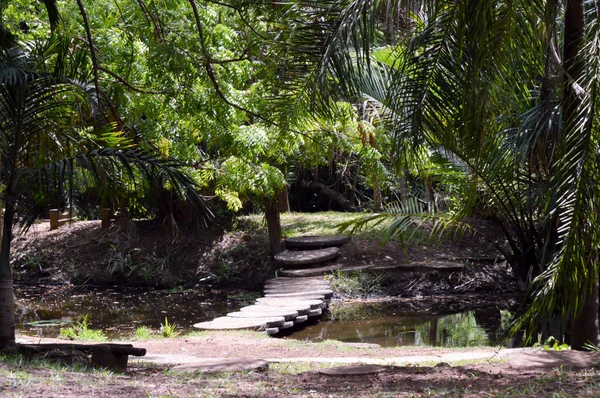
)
(283, 200)
(7, 302)
(273, 224)
(584, 328)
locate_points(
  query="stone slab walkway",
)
(287, 301)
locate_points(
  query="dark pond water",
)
(119, 312)
(387, 326)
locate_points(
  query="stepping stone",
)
(294, 289)
(298, 282)
(283, 279)
(287, 325)
(272, 331)
(306, 257)
(555, 359)
(314, 313)
(288, 313)
(327, 293)
(301, 318)
(311, 271)
(298, 288)
(315, 242)
(224, 365)
(290, 302)
(226, 323)
(354, 370)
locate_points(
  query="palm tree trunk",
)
(431, 207)
(7, 302)
(584, 327)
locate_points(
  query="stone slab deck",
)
(299, 273)
(255, 323)
(287, 302)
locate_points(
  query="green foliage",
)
(168, 330)
(142, 333)
(460, 330)
(352, 312)
(136, 263)
(551, 344)
(356, 284)
(81, 331)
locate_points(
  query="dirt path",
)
(231, 345)
(295, 367)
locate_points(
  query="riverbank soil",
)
(145, 253)
(294, 371)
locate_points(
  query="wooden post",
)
(54, 213)
(107, 215)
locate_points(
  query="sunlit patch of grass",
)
(142, 333)
(22, 362)
(304, 224)
(301, 367)
(81, 331)
(322, 223)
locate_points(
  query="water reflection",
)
(116, 311)
(388, 327)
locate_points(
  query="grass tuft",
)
(82, 331)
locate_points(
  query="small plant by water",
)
(168, 330)
(142, 333)
(551, 344)
(356, 284)
(81, 331)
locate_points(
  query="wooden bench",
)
(58, 219)
(110, 356)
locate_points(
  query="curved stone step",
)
(295, 289)
(299, 273)
(306, 257)
(291, 302)
(297, 282)
(289, 313)
(225, 322)
(313, 313)
(327, 293)
(315, 242)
